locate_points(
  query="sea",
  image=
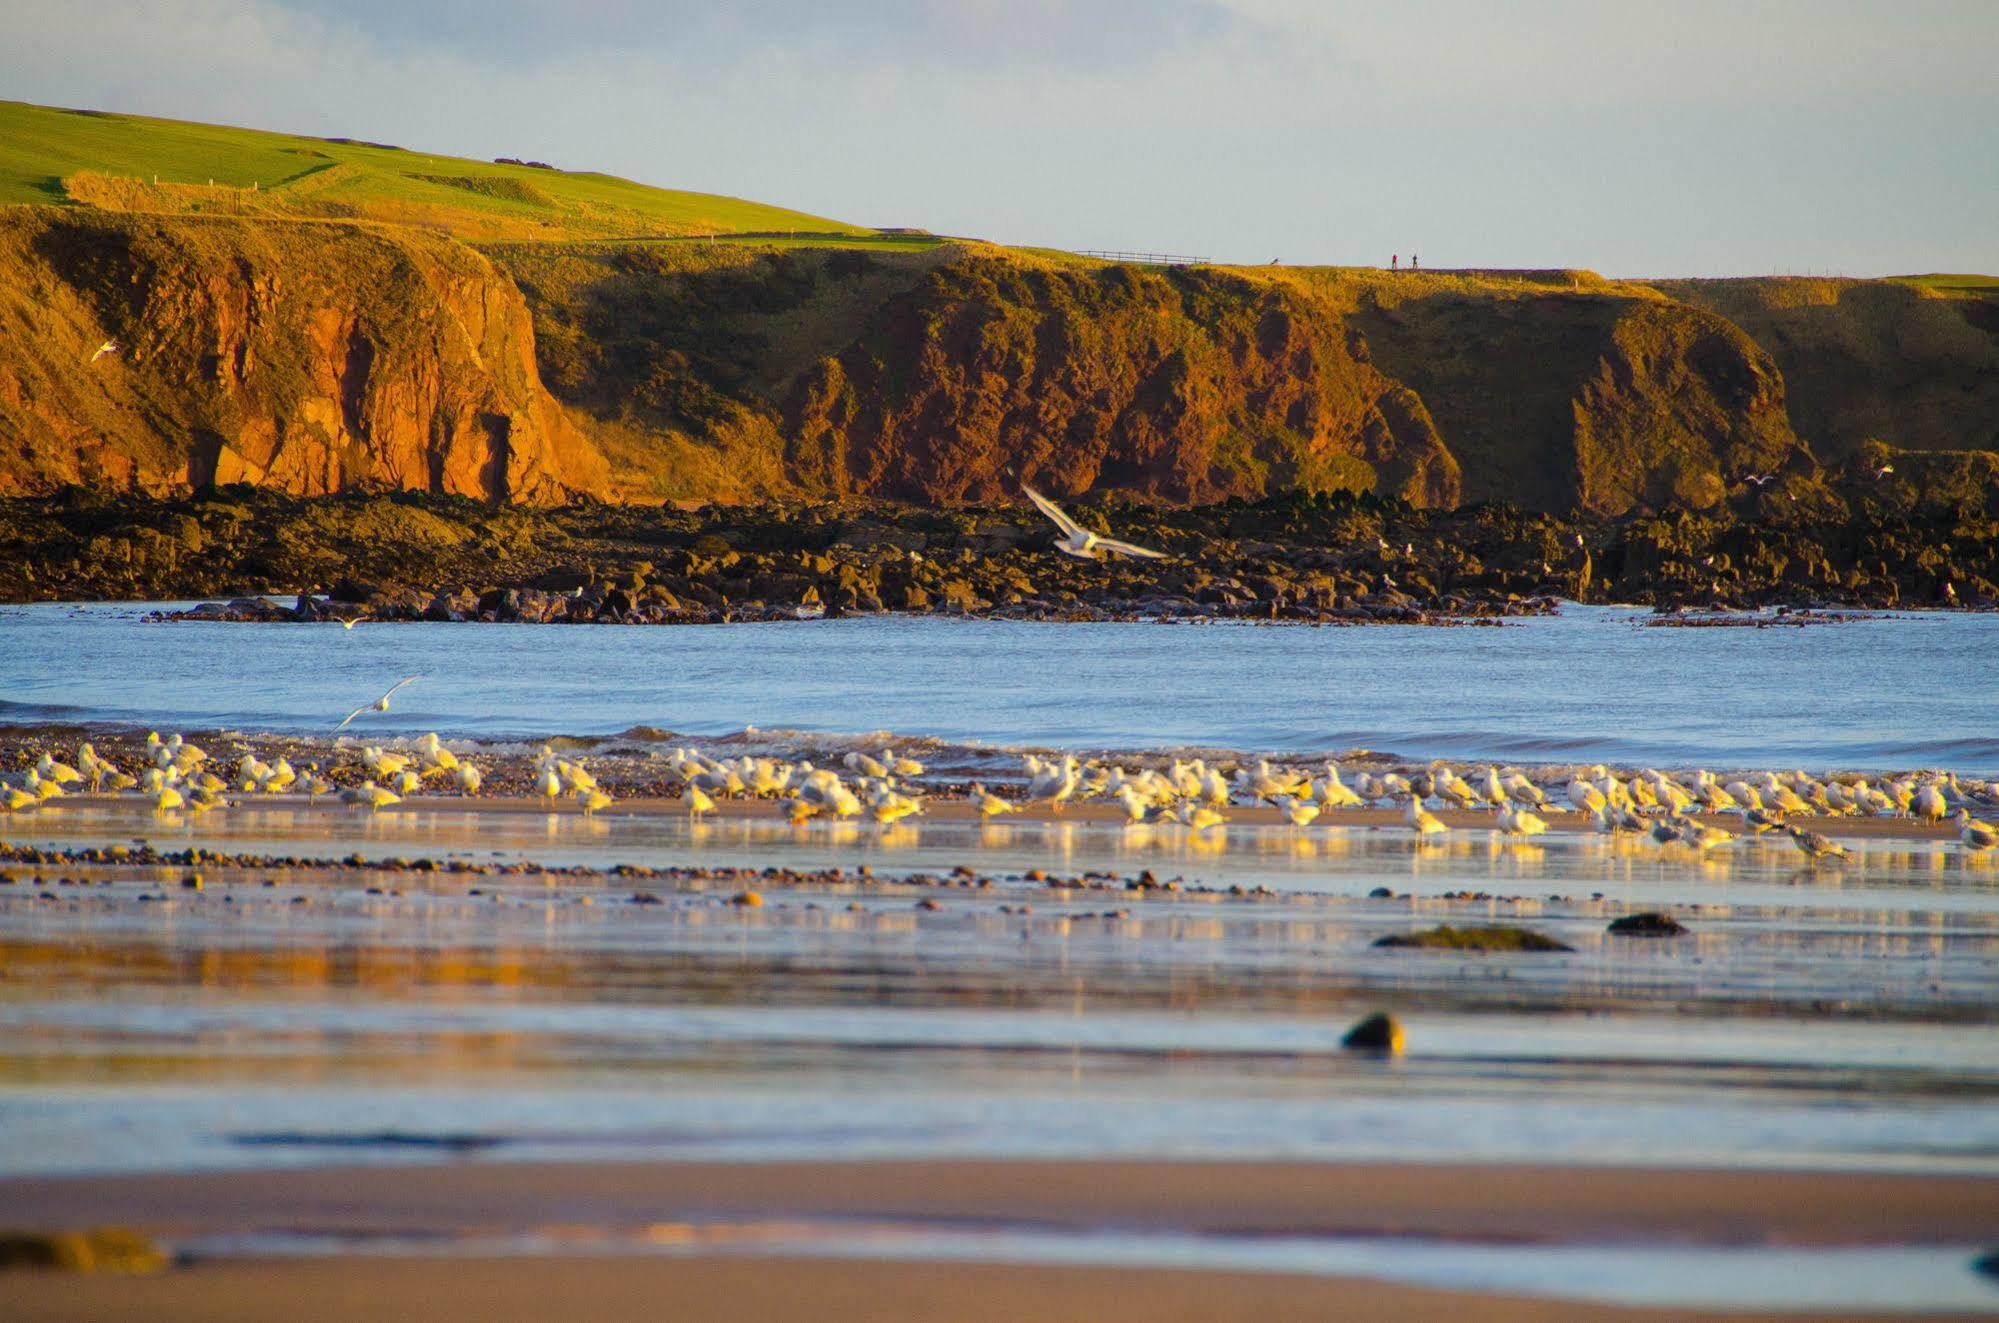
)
(1872, 693)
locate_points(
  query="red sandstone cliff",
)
(309, 356)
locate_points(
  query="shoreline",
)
(664, 1204)
(633, 762)
(956, 811)
(1503, 1201)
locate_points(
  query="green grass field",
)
(1983, 286)
(128, 162)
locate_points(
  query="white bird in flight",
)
(1080, 542)
(108, 347)
(379, 705)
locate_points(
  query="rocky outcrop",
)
(308, 357)
(1336, 558)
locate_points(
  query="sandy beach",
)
(1518, 1205)
(1049, 1065)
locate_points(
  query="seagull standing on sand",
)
(379, 705)
(1080, 542)
(1814, 845)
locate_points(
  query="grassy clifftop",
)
(131, 163)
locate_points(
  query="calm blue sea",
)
(1887, 692)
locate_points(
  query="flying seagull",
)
(1080, 542)
(1883, 471)
(379, 705)
(1760, 478)
(108, 347)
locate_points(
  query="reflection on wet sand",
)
(953, 971)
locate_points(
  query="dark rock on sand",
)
(1487, 937)
(1380, 1032)
(1649, 924)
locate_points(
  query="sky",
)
(1632, 137)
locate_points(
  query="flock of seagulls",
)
(874, 784)
(1649, 802)
(177, 775)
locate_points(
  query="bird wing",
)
(1068, 526)
(1127, 549)
(350, 716)
(398, 684)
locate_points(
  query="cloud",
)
(962, 35)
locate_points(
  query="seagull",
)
(1816, 846)
(108, 347)
(348, 622)
(989, 805)
(379, 705)
(1883, 471)
(1080, 542)
(1759, 479)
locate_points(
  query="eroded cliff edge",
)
(316, 357)
(306, 356)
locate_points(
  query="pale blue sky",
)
(1668, 137)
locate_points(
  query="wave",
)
(1002, 762)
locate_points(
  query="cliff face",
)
(317, 357)
(1188, 386)
(952, 377)
(309, 357)
(1911, 367)
(1594, 400)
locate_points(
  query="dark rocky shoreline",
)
(1336, 559)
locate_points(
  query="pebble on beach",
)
(1380, 1033)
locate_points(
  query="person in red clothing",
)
(1394, 261)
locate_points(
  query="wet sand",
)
(772, 1290)
(1504, 1201)
(960, 810)
(1471, 1205)
(1524, 1205)
(1498, 1204)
